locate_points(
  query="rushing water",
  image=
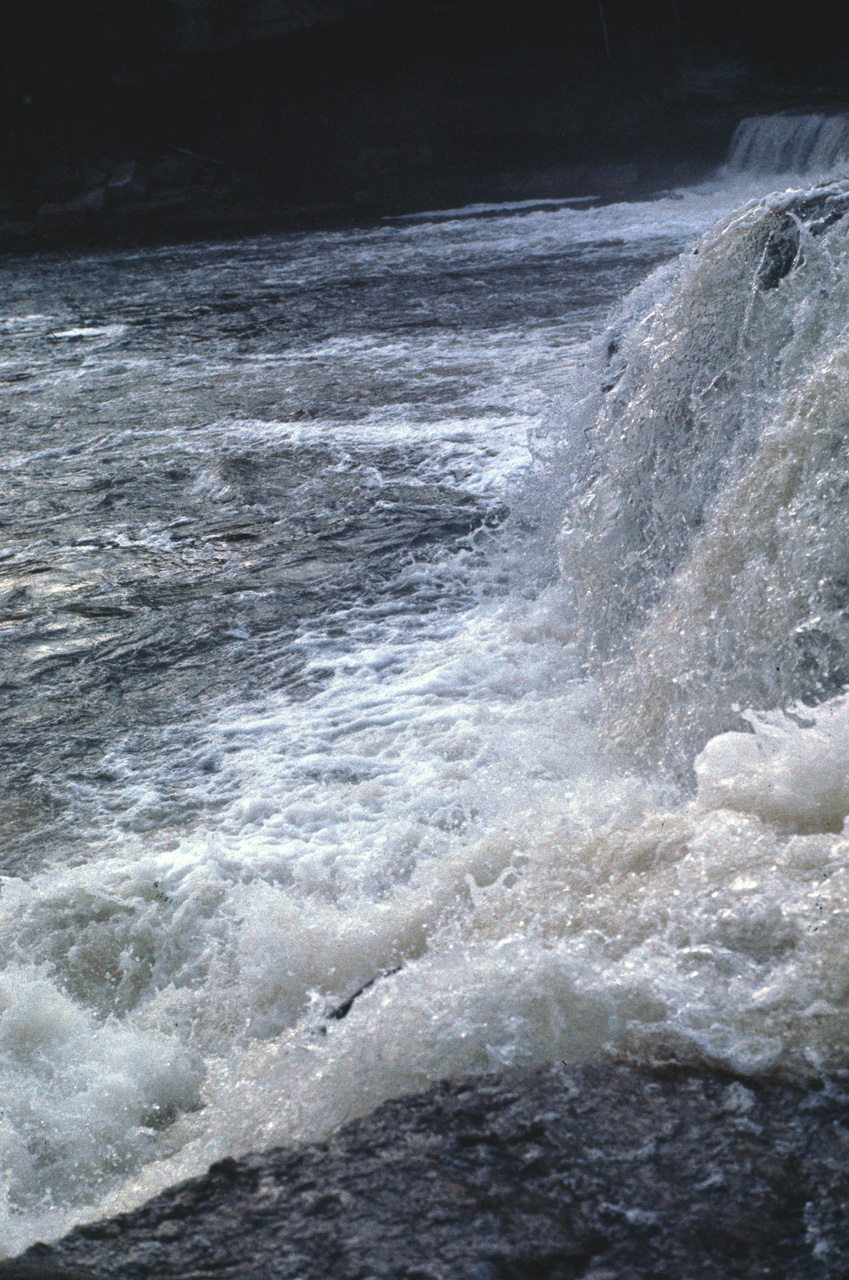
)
(365, 616)
(810, 143)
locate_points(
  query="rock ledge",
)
(603, 1172)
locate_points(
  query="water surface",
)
(313, 788)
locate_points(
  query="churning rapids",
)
(410, 670)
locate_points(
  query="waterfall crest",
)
(803, 144)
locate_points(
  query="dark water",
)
(184, 481)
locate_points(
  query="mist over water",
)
(413, 669)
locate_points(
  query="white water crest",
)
(603, 815)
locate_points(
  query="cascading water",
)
(454, 810)
(800, 144)
(711, 540)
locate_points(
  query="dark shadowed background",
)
(381, 105)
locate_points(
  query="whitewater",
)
(425, 651)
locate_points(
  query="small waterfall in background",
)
(804, 144)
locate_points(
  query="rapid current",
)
(424, 651)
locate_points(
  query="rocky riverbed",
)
(604, 1172)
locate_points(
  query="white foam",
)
(792, 771)
(92, 331)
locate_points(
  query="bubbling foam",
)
(603, 916)
(792, 771)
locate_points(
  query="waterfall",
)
(790, 144)
(709, 554)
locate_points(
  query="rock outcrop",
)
(128, 182)
(602, 1172)
(70, 215)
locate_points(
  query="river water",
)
(334, 762)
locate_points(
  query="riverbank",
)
(211, 206)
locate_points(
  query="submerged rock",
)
(606, 1170)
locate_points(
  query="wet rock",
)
(73, 214)
(93, 202)
(605, 1171)
(15, 233)
(36, 1271)
(781, 253)
(173, 171)
(127, 183)
(163, 201)
(609, 180)
(89, 177)
(59, 216)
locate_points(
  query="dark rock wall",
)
(200, 26)
(383, 103)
